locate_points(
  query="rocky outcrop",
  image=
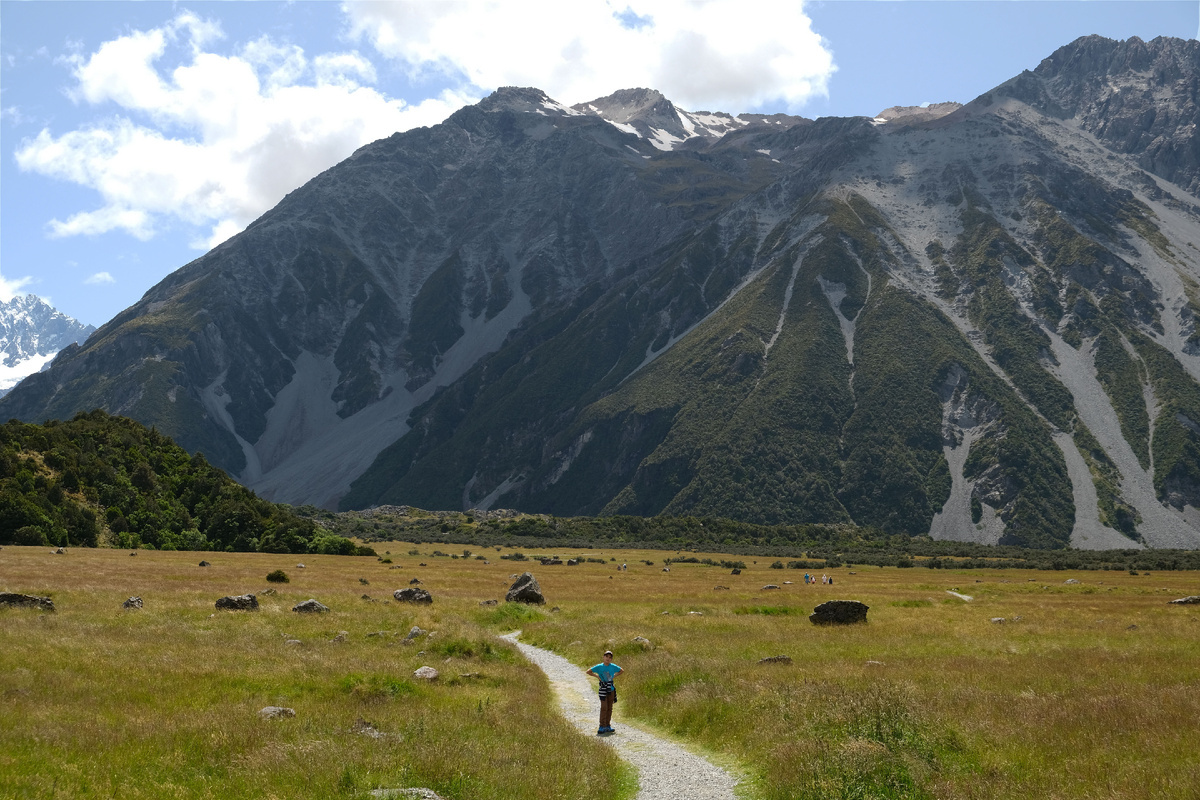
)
(1187, 601)
(413, 595)
(26, 601)
(525, 590)
(241, 602)
(839, 612)
(310, 607)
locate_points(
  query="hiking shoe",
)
(601, 730)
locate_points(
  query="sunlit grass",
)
(1085, 690)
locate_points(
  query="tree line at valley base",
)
(104, 480)
(802, 546)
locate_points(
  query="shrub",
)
(278, 576)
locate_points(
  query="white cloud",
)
(729, 55)
(209, 139)
(100, 277)
(11, 287)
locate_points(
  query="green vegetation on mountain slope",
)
(103, 480)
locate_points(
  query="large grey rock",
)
(241, 602)
(310, 607)
(277, 712)
(412, 595)
(525, 590)
(839, 612)
(426, 674)
(26, 601)
(1187, 601)
(133, 602)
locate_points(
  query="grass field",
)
(1086, 690)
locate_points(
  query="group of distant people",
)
(826, 579)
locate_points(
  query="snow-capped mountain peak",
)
(31, 334)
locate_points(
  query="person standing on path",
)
(606, 672)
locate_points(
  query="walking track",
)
(665, 770)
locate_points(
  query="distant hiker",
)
(606, 672)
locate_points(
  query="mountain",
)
(975, 322)
(31, 334)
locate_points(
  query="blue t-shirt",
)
(606, 671)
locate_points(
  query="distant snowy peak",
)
(31, 334)
(650, 116)
(528, 100)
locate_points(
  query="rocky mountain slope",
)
(975, 322)
(31, 334)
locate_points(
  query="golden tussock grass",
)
(1089, 690)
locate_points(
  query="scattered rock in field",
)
(422, 564)
(310, 607)
(572, 562)
(364, 728)
(776, 660)
(735, 572)
(666, 569)
(470, 674)
(60, 552)
(134, 553)
(770, 586)
(1132, 628)
(341, 637)
(299, 566)
(205, 564)
(414, 582)
(998, 620)
(489, 602)
(1187, 601)
(405, 794)
(414, 633)
(720, 588)
(26, 601)
(695, 613)
(876, 664)
(1070, 581)
(241, 602)
(525, 590)
(413, 595)
(367, 597)
(396, 566)
(643, 642)
(268, 591)
(292, 642)
(133, 602)
(426, 674)
(964, 597)
(787, 583)
(277, 712)
(839, 612)
(364, 581)
(555, 610)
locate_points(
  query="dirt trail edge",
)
(665, 770)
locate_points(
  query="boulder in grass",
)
(643, 642)
(205, 564)
(1187, 601)
(310, 607)
(277, 712)
(133, 602)
(241, 602)
(426, 674)
(776, 660)
(839, 612)
(26, 601)
(412, 595)
(525, 590)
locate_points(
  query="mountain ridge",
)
(977, 324)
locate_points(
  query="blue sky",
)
(135, 135)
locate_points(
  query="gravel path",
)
(665, 770)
